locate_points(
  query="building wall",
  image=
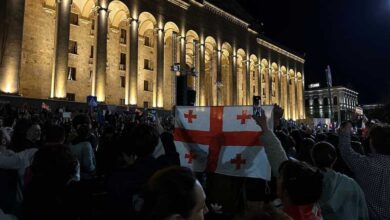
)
(262, 57)
(37, 50)
(114, 49)
(81, 34)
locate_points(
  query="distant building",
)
(344, 103)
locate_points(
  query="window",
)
(146, 104)
(263, 91)
(122, 102)
(122, 40)
(71, 74)
(326, 102)
(91, 54)
(254, 74)
(146, 85)
(335, 102)
(122, 62)
(254, 89)
(74, 18)
(147, 42)
(263, 79)
(148, 64)
(90, 75)
(123, 82)
(72, 47)
(316, 102)
(92, 27)
(307, 102)
(70, 97)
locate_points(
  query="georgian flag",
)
(223, 140)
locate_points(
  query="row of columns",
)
(12, 56)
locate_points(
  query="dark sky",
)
(352, 36)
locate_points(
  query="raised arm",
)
(273, 148)
(354, 160)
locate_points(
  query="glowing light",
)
(8, 88)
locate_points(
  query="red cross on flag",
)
(223, 140)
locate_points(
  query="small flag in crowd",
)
(223, 140)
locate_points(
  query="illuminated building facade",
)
(344, 102)
(124, 52)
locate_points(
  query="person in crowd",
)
(264, 211)
(305, 149)
(358, 147)
(173, 194)
(50, 195)
(107, 154)
(287, 142)
(321, 137)
(4, 216)
(81, 147)
(55, 134)
(299, 186)
(166, 128)
(13, 166)
(342, 198)
(26, 135)
(126, 182)
(297, 136)
(371, 172)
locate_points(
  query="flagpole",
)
(329, 83)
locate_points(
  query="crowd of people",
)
(114, 165)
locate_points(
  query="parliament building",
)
(143, 53)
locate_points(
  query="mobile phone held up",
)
(257, 106)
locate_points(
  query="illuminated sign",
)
(314, 85)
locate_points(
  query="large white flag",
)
(223, 140)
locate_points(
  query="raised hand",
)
(261, 120)
(278, 112)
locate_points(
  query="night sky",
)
(352, 36)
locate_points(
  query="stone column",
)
(234, 80)
(60, 67)
(248, 82)
(182, 83)
(160, 69)
(174, 61)
(127, 74)
(100, 50)
(219, 78)
(270, 81)
(279, 75)
(202, 75)
(133, 48)
(11, 43)
(259, 88)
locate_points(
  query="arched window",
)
(316, 102)
(307, 102)
(326, 102)
(335, 101)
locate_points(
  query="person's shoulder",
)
(347, 180)
(82, 144)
